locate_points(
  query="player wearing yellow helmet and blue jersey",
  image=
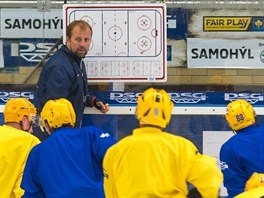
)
(242, 154)
(69, 162)
(152, 163)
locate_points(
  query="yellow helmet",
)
(240, 114)
(58, 113)
(16, 108)
(154, 107)
(256, 180)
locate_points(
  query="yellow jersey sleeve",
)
(205, 176)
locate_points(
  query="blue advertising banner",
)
(186, 98)
(25, 52)
(119, 98)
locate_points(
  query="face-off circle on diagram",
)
(115, 33)
(144, 43)
(144, 22)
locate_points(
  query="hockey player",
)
(69, 162)
(243, 153)
(152, 163)
(15, 144)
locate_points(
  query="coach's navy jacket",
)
(64, 76)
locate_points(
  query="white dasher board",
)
(129, 41)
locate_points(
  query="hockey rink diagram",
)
(117, 53)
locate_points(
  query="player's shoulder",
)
(178, 138)
(95, 131)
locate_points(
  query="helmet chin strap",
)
(22, 126)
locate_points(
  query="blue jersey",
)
(241, 156)
(67, 164)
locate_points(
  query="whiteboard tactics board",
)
(129, 41)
